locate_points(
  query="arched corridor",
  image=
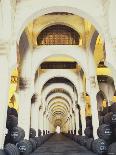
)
(58, 77)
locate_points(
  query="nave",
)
(57, 68)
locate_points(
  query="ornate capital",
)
(24, 83)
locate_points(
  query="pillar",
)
(24, 105)
(93, 88)
(77, 120)
(82, 112)
(73, 123)
(4, 86)
(41, 119)
(83, 119)
(34, 113)
(93, 93)
(70, 120)
(47, 124)
(44, 122)
(5, 49)
(68, 123)
(26, 90)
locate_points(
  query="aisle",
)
(60, 145)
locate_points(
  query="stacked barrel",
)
(106, 143)
(109, 123)
(15, 144)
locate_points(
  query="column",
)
(26, 90)
(73, 123)
(41, 119)
(82, 112)
(4, 86)
(47, 124)
(77, 119)
(24, 105)
(7, 19)
(93, 93)
(83, 120)
(34, 113)
(44, 122)
(68, 124)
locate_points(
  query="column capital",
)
(24, 83)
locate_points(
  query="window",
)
(58, 35)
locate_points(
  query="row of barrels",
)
(106, 143)
(23, 146)
(98, 146)
(15, 144)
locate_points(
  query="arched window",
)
(58, 35)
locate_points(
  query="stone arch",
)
(49, 8)
(59, 92)
(23, 44)
(59, 101)
(107, 86)
(53, 92)
(100, 97)
(52, 86)
(58, 107)
(60, 23)
(25, 50)
(58, 95)
(93, 40)
(76, 52)
(60, 73)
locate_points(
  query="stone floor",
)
(61, 145)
